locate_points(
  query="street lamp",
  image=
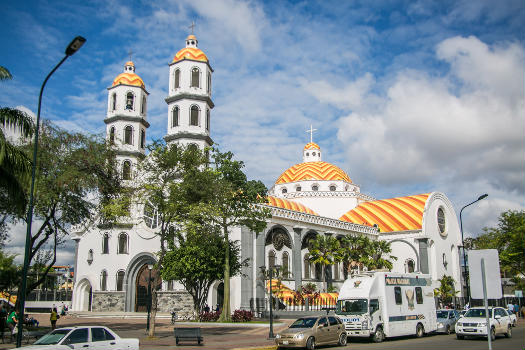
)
(73, 47)
(483, 196)
(150, 267)
(270, 275)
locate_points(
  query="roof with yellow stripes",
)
(190, 53)
(312, 145)
(290, 205)
(394, 214)
(128, 79)
(313, 171)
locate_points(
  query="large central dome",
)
(313, 171)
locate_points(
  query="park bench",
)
(190, 333)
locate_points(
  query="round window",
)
(441, 221)
(315, 188)
(298, 188)
(284, 190)
(313, 153)
(332, 188)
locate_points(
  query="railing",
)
(50, 295)
(292, 305)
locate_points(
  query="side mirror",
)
(497, 317)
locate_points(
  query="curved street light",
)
(483, 196)
(73, 47)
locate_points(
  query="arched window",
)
(195, 73)
(126, 170)
(120, 280)
(105, 244)
(128, 135)
(209, 83)
(177, 79)
(142, 138)
(194, 115)
(90, 257)
(130, 98)
(143, 105)
(298, 189)
(284, 190)
(410, 266)
(122, 243)
(318, 271)
(271, 259)
(114, 101)
(104, 280)
(332, 188)
(306, 263)
(112, 135)
(336, 271)
(315, 188)
(175, 117)
(151, 216)
(286, 264)
(208, 119)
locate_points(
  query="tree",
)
(325, 251)
(354, 251)
(446, 290)
(197, 261)
(378, 255)
(9, 273)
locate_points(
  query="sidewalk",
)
(216, 336)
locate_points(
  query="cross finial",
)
(130, 53)
(192, 26)
(311, 131)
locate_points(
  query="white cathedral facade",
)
(113, 263)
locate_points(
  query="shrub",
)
(209, 316)
(242, 316)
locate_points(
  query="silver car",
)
(446, 320)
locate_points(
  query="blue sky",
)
(408, 96)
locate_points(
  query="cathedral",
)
(113, 264)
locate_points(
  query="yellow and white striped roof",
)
(313, 171)
(290, 205)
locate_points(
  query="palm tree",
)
(355, 250)
(325, 251)
(15, 165)
(378, 256)
(446, 290)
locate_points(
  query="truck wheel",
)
(420, 331)
(378, 336)
(493, 334)
(460, 337)
(310, 343)
(509, 332)
(342, 339)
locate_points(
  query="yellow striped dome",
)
(394, 214)
(313, 171)
(190, 53)
(290, 205)
(129, 79)
(312, 145)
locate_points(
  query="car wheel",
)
(342, 339)
(448, 330)
(514, 323)
(420, 331)
(310, 343)
(493, 334)
(460, 337)
(378, 336)
(509, 332)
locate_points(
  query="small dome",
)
(191, 37)
(129, 77)
(190, 53)
(313, 171)
(130, 63)
(312, 145)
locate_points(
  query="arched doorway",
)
(141, 287)
(220, 295)
(83, 296)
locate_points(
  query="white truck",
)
(387, 304)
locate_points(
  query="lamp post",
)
(270, 275)
(483, 196)
(150, 267)
(73, 47)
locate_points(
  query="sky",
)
(407, 97)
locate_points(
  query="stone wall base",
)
(179, 301)
(108, 301)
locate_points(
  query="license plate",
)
(285, 342)
(469, 330)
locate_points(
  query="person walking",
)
(53, 318)
(3, 318)
(12, 321)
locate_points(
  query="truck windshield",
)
(352, 306)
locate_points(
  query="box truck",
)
(386, 304)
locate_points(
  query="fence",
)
(50, 295)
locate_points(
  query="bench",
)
(191, 333)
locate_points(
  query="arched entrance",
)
(131, 277)
(144, 277)
(220, 295)
(83, 296)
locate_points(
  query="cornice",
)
(188, 135)
(184, 95)
(126, 118)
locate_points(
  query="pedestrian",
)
(517, 310)
(206, 308)
(217, 308)
(12, 321)
(3, 318)
(53, 318)
(510, 308)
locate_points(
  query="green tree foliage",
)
(9, 273)
(379, 255)
(446, 290)
(354, 251)
(197, 260)
(324, 250)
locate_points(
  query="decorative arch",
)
(279, 237)
(418, 261)
(306, 239)
(82, 296)
(136, 263)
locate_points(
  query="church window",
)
(208, 119)
(313, 153)
(151, 216)
(318, 271)
(175, 117)
(105, 244)
(170, 285)
(315, 188)
(90, 257)
(104, 280)
(298, 189)
(122, 244)
(209, 83)
(128, 135)
(126, 170)
(120, 280)
(410, 266)
(271, 259)
(143, 105)
(114, 101)
(284, 190)
(441, 220)
(306, 263)
(336, 271)
(307, 154)
(129, 100)
(194, 115)
(332, 188)
(195, 75)
(286, 262)
(177, 79)
(112, 135)
(142, 138)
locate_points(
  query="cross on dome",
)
(192, 26)
(311, 131)
(130, 52)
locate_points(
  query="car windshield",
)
(307, 322)
(442, 314)
(351, 307)
(53, 338)
(477, 313)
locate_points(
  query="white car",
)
(84, 337)
(474, 323)
(513, 319)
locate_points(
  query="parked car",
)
(513, 319)
(446, 320)
(92, 337)
(474, 323)
(312, 331)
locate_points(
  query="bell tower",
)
(189, 97)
